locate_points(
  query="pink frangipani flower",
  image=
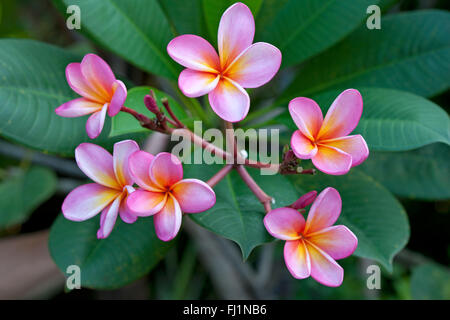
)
(113, 185)
(164, 193)
(312, 247)
(240, 64)
(326, 141)
(94, 80)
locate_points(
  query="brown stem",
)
(255, 188)
(177, 123)
(222, 173)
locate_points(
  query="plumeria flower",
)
(326, 141)
(113, 185)
(100, 90)
(164, 193)
(240, 64)
(312, 247)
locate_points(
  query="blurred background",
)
(200, 265)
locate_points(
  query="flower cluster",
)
(132, 183)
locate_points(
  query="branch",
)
(222, 173)
(255, 188)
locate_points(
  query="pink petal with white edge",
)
(343, 115)
(86, 201)
(194, 52)
(324, 211)
(139, 164)
(307, 116)
(256, 66)
(125, 213)
(80, 85)
(284, 223)
(77, 108)
(98, 75)
(229, 101)
(302, 146)
(168, 220)
(193, 195)
(194, 84)
(122, 152)
(338, 241)
(146, 203)
(355, 146)
(166, 170)
(297, 259)
(323, 268)
(236, 32)
(94, 124)
(118, 98)
(332, 160)
(97, 164)
(108, 218)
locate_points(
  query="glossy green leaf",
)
(368, 209)
(130, 252)
(411, 52)
(303, 28)
(392, 119)
(22, 192)
(416, 174)
(430, 282)
(137, 30)
(238, 215)
(32, 86)
(185, 18)
(213, 11)
(124, 123)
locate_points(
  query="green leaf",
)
(32, 86)
(22, 192)
(392, 120)
(124, 123)
(417, 174)
(368, 209)
(411, 52)
(130, 252)
(304, 28)
(430, 282)
(237, 214)
(186, 18)
(136, 30)
(213, 11)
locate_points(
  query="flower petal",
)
(118, 98)
(146, 203)
(86, 201)
(126, 214)
(307, 116)
(332, 160)
(168, 220)
(166, 170)
(305, 200)
(229, 101)
(139, 164)
(98, 75)
(284, 223)
(193, 195)
(302, 146)
(255, 66)
(194, 52)
(95, 122)
(297, 259)
(80, 85)
(122, 152)
(108, 218)
(338, 241)
(77, 108)
(194, 84)
(355, 146)
(236, 32)
(323, 268)
(324, 211)
(97, 164)
(343, 115)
